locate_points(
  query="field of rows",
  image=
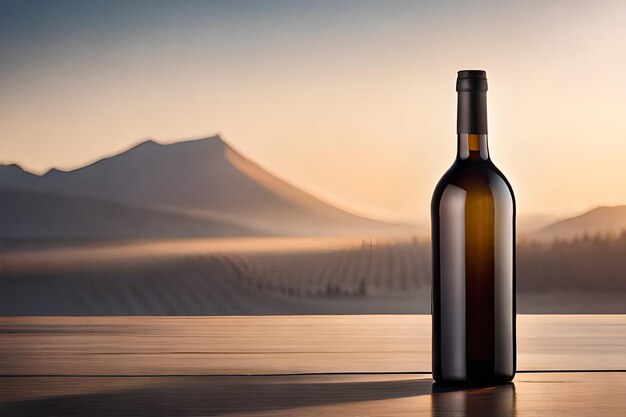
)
(358, 278)
(275, 276)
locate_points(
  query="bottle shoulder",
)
(475, 177)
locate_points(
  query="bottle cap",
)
(471, 80)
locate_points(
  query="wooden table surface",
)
(296, 366)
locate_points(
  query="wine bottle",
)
(473, 252)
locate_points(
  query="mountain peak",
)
(14, 169)
(211, 144)
(13, 175)
(53, 171)
(213, 140)
(12, 166)
(149, 141)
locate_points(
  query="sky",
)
(352, 101)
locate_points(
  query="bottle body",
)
(473, 248)
(473, 299)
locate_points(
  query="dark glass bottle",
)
(473, 244)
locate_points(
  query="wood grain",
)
(552, 394)
(282, 344)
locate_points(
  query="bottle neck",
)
(472, 124)
(473, 147)
(472, 112)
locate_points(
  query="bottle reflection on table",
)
(496, 400)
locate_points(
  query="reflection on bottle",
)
(497, 400)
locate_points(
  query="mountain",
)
(527, 224)
(200, 179)
(14, 175)
(603, 221)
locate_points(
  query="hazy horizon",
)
(530, 219)
(353, 102)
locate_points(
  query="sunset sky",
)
(353, 101)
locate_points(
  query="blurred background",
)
(278, 157)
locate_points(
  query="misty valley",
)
(196, 228)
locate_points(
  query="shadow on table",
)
(192, 396)
(497, 400)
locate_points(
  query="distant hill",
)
(41, 215)
(14, 176)
(528, 224)
(603, 221)
(199, 179)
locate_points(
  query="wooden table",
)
(296, 366)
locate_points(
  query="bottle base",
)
(478, 381)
